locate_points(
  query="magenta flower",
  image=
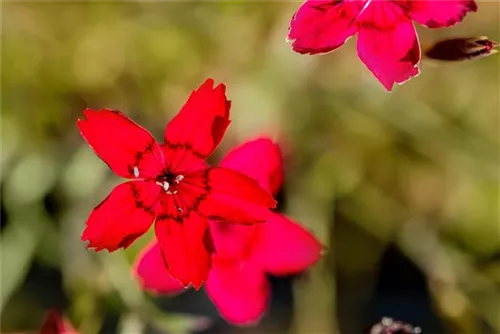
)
(387, 41)
(237, 282)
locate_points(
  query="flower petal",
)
(187, 247)
(438, 14)
(128, 149)
(284, 247)
(260, 159)
(235, 197)
(323, 25)
(388, 44)
(122, 217)
(240, 291)
(182, 159)
(151, 270)
(54, 323)
(232, 241)
(202, 121)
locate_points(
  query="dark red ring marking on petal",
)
(178, 216)
(138, 202)
(140, 155)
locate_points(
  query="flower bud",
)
(466, 48)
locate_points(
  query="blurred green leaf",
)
(19, 240)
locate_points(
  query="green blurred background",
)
(402, 187)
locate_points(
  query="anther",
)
(179, 178)
(165, 185)
(136, 171)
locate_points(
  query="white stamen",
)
(165, 185)
(180, 210)
(136, 171)
(179, 178)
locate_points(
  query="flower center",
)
(169, 182)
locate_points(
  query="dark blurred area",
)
(402, 188)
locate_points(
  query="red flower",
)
(237, 283)
(55, 323)
(172, 185)
(387, 41)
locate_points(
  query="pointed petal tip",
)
(209, 84)
(196, 286)
(88, 112)
(388, 87)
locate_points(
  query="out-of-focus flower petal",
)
(187, 247)
(240, 291)
(202, 121)
(439, 13)
(388, 44)
(151, 270)
(465, 48)
(233, 241)
(128, 149)
(323, 25)
(55, 323)
(260, 159)
(284, 247)
(122, 217)
(235, 197)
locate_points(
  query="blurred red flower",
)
(55, 323)
(237, 282)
